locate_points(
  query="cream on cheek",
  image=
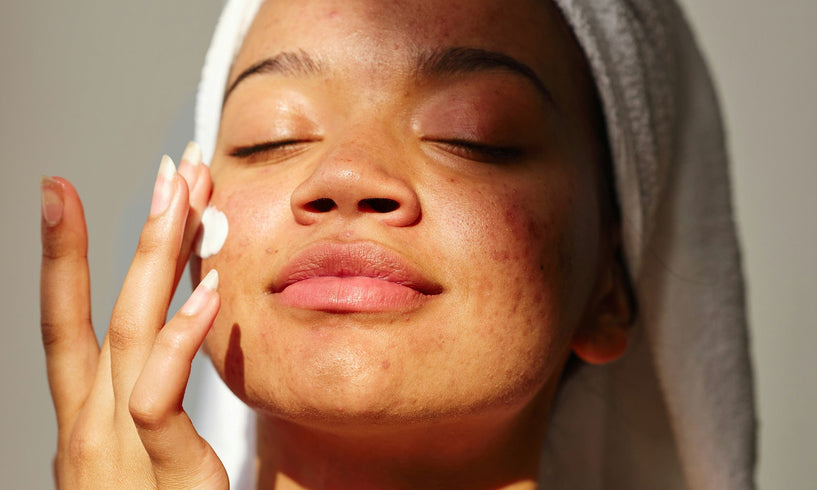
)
(214, 229)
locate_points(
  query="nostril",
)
(323, 205)
(378, 205)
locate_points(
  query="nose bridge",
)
(360, 175)
(355, 158)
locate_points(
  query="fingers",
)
(198, 181)
(180, 457)
(142, 305)
(71, 347)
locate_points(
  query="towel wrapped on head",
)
(678, 410)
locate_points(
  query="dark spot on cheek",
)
(500, 255)
(272, 251)
(534, 231)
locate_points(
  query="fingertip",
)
(51, 200)
(200, 194)
(70, 196)
(210, 281)
(62, 217)
(202, 296)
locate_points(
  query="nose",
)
(351, 182)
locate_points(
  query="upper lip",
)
(360, 259)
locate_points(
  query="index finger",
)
(71, 348)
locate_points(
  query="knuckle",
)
(64, 246)
(51, 333)
(173, 343)
(87, 448)
(152, 243)
(124, 333)
(60, 331)
(147, 413)
(61, 250)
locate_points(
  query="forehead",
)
(529, 30)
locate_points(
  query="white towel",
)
(678, 410)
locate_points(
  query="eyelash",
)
(463, 148)
(479, 151)
(278, 149)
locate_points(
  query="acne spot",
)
(385, 364)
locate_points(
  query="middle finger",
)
(141, 308)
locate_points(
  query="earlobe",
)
(603, 344)
(604, 336)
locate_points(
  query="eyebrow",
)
(460, 60)
(431, 64)
(293, 64)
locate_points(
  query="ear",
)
(604, 334)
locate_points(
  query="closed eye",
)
(479, 151)
(270, 150)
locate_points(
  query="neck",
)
(477, 452)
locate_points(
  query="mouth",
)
(352, 277)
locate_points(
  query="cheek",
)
(523, 237)
(254, 212)
(512, 231)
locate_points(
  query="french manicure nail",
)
(52, 202)
(199, 298)
(192, 153)
(163, 190)
(188, 167)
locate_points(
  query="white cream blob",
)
(213, 232)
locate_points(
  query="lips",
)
(352, 277)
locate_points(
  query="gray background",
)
(97, 90)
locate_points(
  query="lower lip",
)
(351, 294)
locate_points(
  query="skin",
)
(450, 392)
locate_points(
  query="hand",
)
(119, 408)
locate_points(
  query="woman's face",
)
(413, 207)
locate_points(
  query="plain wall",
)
(97, 90)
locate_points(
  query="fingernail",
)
(163, 190)
(199, 298)
(52, 204)
(188, 167)
(192, 153)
